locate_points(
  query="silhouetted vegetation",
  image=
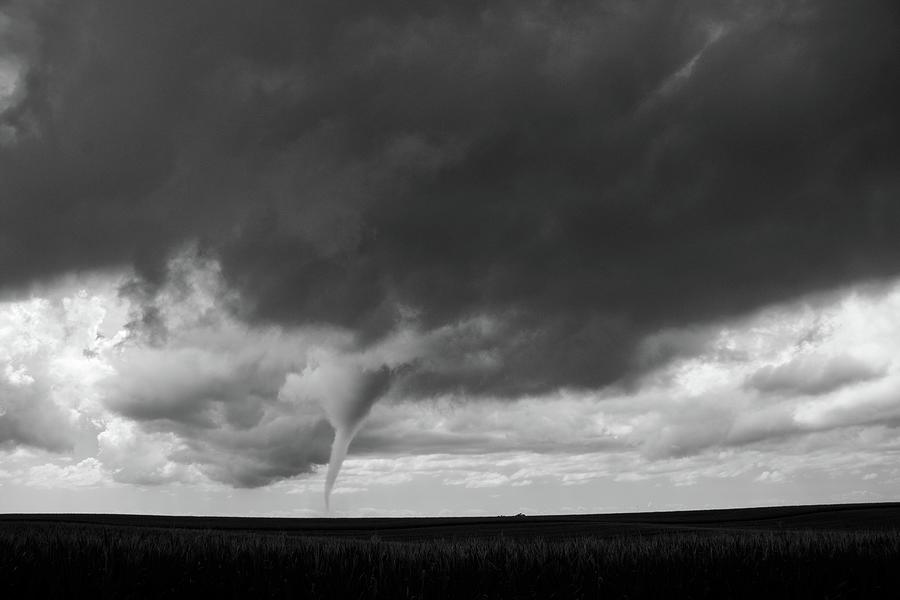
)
(62, 559)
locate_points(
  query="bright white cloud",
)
(133, 455)
(48, 366)
(86, 473)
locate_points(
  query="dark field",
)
(843, 551)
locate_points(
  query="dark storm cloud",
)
(269, 452)
(582, 173)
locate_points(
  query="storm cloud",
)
(580, 174)
(562, 222)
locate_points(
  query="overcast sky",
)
(509, 257)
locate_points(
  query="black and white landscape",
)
(448, 258)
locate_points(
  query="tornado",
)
(339, 447)
(346, 410)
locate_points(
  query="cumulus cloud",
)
(205, 393)
(132, 455)
(26, 417)
(205, 390)
(88, 472)
(48, 345)
(190, 395)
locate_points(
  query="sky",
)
(448, 258)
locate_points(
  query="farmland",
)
(813, 552)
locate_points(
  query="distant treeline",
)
(42, 559)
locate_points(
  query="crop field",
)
(804, 552)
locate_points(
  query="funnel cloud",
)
(346, 391)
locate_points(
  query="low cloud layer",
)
(217, 401)
(776, 378)
(813, 375)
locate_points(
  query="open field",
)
(814, 552)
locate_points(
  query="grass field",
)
(803, 552)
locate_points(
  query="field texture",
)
(808, 552)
